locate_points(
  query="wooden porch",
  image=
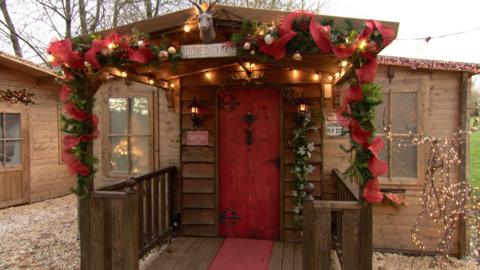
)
(186, 253)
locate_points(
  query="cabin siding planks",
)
(44, 175)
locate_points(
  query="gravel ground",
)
(44, 236)
(40, 236)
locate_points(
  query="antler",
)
(200, 9)
(210, 6)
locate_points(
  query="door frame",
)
(281, 153)
(25, 143)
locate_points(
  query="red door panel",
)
(248, 174)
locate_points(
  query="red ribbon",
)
(375, 165)
(62, 52)
(91, 55)
(141, 55)
(65, 94)
(388, 35)
(74, 165)
(367, 72)
(74, 112)
(321, 36)
(371, 191)
(359, 134)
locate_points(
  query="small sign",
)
(208, 50)
(197, 137)
(332, 125)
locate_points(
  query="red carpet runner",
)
(242, 254)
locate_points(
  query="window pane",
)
(12, 121)
(1, 125)
(381, 113)
(404, 161)
(119, 154)
(118, 115)
(14, 153)
(1, 153)
(140, 154)
(404, 112)
(139, 121)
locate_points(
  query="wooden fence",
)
(122, 222)
(342, 227)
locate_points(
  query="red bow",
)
(388, 35)
(371, 191)
(75, 166)
(343, 51)
(63, 53)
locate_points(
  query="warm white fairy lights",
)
(443, 201)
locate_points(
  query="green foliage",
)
(475, 158)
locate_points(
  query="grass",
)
(475, 158)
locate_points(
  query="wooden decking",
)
(195, 253)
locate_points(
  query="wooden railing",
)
(124, 221)
(341, 227)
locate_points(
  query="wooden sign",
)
(197, 137)
(208, 50)
(332, 125)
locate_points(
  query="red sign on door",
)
(197, 137)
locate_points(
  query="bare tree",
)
(11, 27)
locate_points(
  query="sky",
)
(419, 19)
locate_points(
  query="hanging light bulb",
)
(316, 76)
(344, 63)
(151, 81)
(208, 75)
(50, 58)
(186, 28)
(123, 74)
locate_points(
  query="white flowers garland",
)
(301, 167)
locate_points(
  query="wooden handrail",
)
(351, 191)
(138, 213)
(342, 226)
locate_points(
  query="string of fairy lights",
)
(443, 201)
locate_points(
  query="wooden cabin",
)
(31, 168)
(222, 142)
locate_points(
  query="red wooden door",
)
(249, 164)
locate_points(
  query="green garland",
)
(301, 165)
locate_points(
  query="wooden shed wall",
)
(48, 177)
(440, 93)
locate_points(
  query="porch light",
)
(302, 106)
(208, 75)
(195, 110)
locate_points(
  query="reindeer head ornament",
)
(205, 22)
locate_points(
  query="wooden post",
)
(130, 230)
(465, 158)
(366, 237)
(84, 232)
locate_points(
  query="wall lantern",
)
(195, 110)
(302, 107)
(327, 91)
